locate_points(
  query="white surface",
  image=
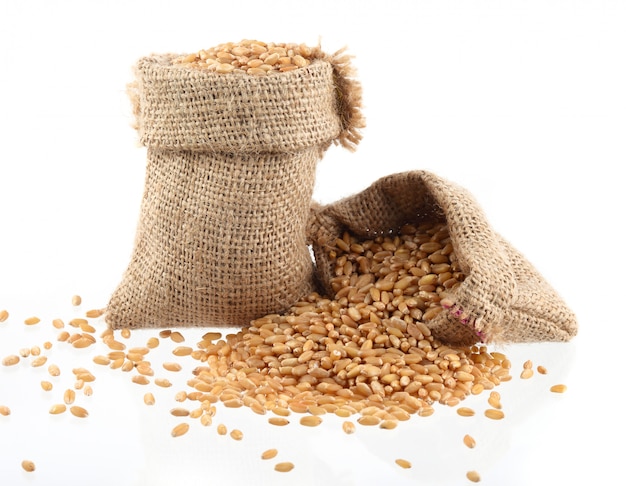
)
(523, 103)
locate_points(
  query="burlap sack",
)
(502, 299)
(231, 163)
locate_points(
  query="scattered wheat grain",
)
(558, 388)
(11, 360)
(78, 411)
(494, 414)
(403, 463)
(269, 454)
(58, 408)
(180, 429)
(284, 466)
(469, 441)
(69, 396)
(280, 421)
(473, 476)
(465, 412)
(311, 420)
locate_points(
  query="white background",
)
(522, 102)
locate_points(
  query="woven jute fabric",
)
(231, 163)
(503, 297)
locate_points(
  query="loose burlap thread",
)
(503, 297)
(231, 163)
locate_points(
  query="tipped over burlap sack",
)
(231, 162)
(503, 297)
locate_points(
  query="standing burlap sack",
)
(502, 299)
(231, 163)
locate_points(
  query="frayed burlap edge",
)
(349, 95)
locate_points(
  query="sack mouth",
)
(188, 108)
(416, 197)
(502, 298)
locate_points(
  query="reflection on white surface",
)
(123, 441)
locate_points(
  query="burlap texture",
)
(503, 297)
(231, 163)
